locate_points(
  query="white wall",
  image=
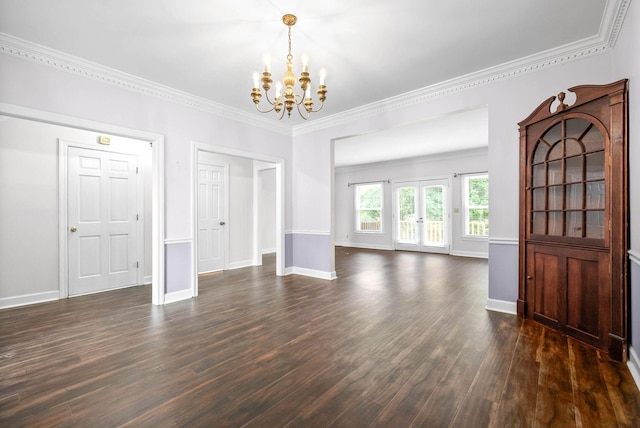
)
(267, 210)
(429, 167)
(49, 87)
(508, 100)
(626, 64)
(29, 221)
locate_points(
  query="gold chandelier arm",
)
(302, 115)
(265, 111)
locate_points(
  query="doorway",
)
(241, 235)
(422, 216)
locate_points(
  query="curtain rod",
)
(455, 174)
(369, 182)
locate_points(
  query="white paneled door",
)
(101, 220)
(211, 221)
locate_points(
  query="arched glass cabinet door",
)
(568, 192)
(573, 237)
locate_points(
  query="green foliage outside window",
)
(477, 205)
(407, 202)
(369, 201)
(433, 195)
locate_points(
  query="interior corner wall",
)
(37, 85)
(267, 202)
(508, 100)
(626, 65)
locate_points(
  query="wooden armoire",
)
(574, 216)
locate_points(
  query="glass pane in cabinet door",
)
(574, 197)
(595, 166)
(538, 198)
(595, 195)
(538, 175)
(537, 226)
(554, 134)
(593, 141)
(572, 148)
(575, 128)
(595, 224)
(556, 152)
(555, 198)
(573, 169)
(540, 154)
(574, 224)
(555, 223)
(554, 174)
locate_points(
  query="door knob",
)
(222, 223)
(529, 277)
(73, 228)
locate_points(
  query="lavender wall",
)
(311, 251)
(177, 266)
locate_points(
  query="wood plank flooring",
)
(398, 340)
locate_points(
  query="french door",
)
(422, 216)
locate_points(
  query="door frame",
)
(225, 233)
(280, 203)
(448, 203)
(63, 200)
(157, 184)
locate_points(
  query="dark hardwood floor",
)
(399, 339)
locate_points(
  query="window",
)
(369, 207)
(476, 205)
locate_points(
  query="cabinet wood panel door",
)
(574, 216)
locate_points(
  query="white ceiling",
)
(428, 137)
(372, 49)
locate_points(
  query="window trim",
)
(356, 209)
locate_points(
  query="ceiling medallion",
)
(289, 98)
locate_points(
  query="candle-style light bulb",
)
(256, 80)
(267, 62)
(323, 75)
(307, 93)
(305, 63)
(278, 89)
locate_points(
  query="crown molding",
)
(613, 18)
(16, 47)
(610, 26)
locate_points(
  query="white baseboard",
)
(29, 299)
(364, 246)
(176, 296)
(502, 306)
(314, 273)
(633, 362)
(241, 264)
(477, 255)
(268, 250)
(147, 280)
(288, 271)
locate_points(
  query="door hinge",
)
(137, 265)
(137, 217)
(136, 170)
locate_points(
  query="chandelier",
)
(288, 99)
